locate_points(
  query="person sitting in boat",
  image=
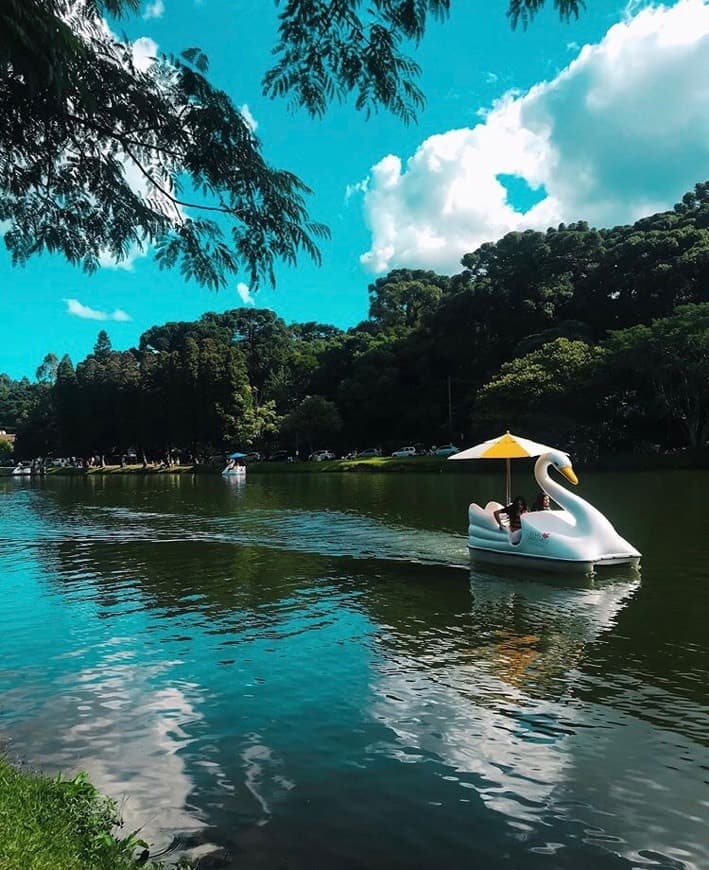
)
(542, 502)
(514, 512)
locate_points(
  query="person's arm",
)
(496, 514)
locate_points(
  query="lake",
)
(303, 671)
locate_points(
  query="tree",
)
(6, 448)
(78, 117)
(669, 361)
(47, 372)
(399, 300)
(260, 335)
(102, 348)
(66, 403)
(315, 420)
(333, 50)
(548, 391)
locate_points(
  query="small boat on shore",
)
(19, 470)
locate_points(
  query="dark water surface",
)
(301, 671)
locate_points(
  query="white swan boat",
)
(234, 471)
(579, 537)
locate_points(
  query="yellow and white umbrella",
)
(507, 446)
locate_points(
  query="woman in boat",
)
(542, 502)
(514, 512)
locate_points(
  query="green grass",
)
(374, 464)
(686, 459)
(57, 824)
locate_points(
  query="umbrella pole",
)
(508, 488)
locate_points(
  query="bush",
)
(47, 824)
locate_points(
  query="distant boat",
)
(234, 471)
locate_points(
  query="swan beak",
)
(568, 473)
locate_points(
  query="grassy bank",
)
(686, 459)
(56, 824)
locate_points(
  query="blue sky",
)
(604, 119)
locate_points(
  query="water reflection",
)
(493, 705)
(540, 626)
(294, 678)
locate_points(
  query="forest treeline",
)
(596, 340)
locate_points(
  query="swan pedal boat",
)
(578, 537)
(237, 471)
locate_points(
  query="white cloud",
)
(154, 10)
(621, 132)
(144, 51)
(107, 261)
(248, 117)
(352, 189)
(245, 294)
(73, 306)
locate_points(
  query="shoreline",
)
(690, 459)
(53, 821)
(686, 460)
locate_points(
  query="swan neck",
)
(567, 500)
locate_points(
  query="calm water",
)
(302, 671)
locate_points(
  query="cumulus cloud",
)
(622, 131)
(245, 294)
(154, 10)
(73, 306)
(144, 52)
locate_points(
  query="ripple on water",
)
(314, 685)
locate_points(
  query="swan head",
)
(562, 463)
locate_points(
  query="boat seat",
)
(486, 515)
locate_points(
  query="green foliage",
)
(103, 347)
(78, 117)
(6, 448)
(668, 361)
(399, 301)
(77, 113)
(55, 823)
(548, 391)
(259, 425)
(47, 372)
(315, 420)
(524, 10)
(331, 51)
(520, 338)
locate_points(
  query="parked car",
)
(253, 456)
(321, 455)
(369, 453)
(446, 450)
(280, 456)
(404, 451)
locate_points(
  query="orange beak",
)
(568, 473)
